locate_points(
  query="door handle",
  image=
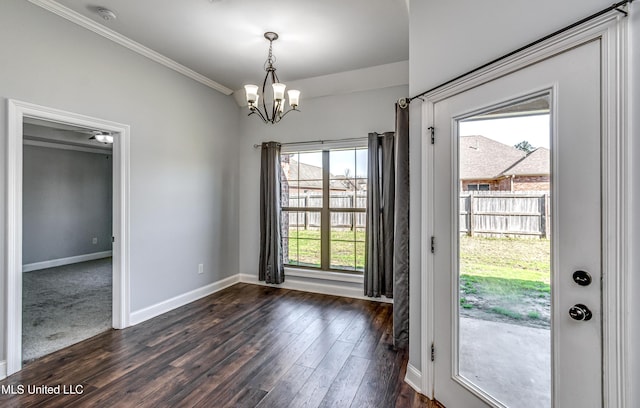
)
(580, 312)
(582, 278)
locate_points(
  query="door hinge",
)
(433, 134)
(433, 245)
(433, 352)
(113, 239)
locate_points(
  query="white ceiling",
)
(61, 134)
(223, 39)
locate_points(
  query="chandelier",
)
(275, 112)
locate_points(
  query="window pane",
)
(342, 164)
(342, 223)
(310, 159)
(503, 264)
(287, 182)
(348, 183)
(289, 223)
(342, 199)
(301, 238)
(362, 158)
(361, 193)
(343, 255)
(347, 240)
(309, 248)
(301, 179)
(313, 199)
(360, 246)
(302, 198)
(289, 229)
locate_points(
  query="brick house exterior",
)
(488, 165)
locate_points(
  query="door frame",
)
(17, 111)
(611, 29)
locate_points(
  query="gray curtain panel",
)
(378, 270)
(401, 233)
(271, 267)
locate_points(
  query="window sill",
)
(326, 275)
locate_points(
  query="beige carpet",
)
(64, 305)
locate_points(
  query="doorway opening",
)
(26, 251)
(66, 240)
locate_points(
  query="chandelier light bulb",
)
(252, 94)
(278, 91)
(294, 97)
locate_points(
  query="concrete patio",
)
(512, 363)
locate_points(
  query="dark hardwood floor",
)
(245, 346)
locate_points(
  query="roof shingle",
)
(536, 163)
(484, 158)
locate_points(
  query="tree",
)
(525, 147)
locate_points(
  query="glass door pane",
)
(504, 279)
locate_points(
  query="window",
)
(478, 187)
(324, 208)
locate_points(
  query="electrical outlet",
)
(94, 240)
(200, 268)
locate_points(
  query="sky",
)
(342, 162)
(511, 131)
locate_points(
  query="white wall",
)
(324, 118)
(184, 146)
(449, 38)
(67, 201)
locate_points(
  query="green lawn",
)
(506, 277)
(347, 249)
(508, 258)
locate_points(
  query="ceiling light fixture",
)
(102, 137)
(276, 111)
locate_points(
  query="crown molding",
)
(85, 22)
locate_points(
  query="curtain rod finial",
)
(403, 102)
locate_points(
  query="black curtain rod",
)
(615, 6)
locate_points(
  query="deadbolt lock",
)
(582, 278)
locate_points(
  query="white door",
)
(492, 353)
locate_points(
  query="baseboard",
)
(65, 261)
(307, 285)
(294, 283)
(3, 370)
(181, 300)
(413, 378)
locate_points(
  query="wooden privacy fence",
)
(502, 213)
(311, 219)
(482, 213)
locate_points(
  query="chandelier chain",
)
(271, 59)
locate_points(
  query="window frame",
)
(325, 211)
